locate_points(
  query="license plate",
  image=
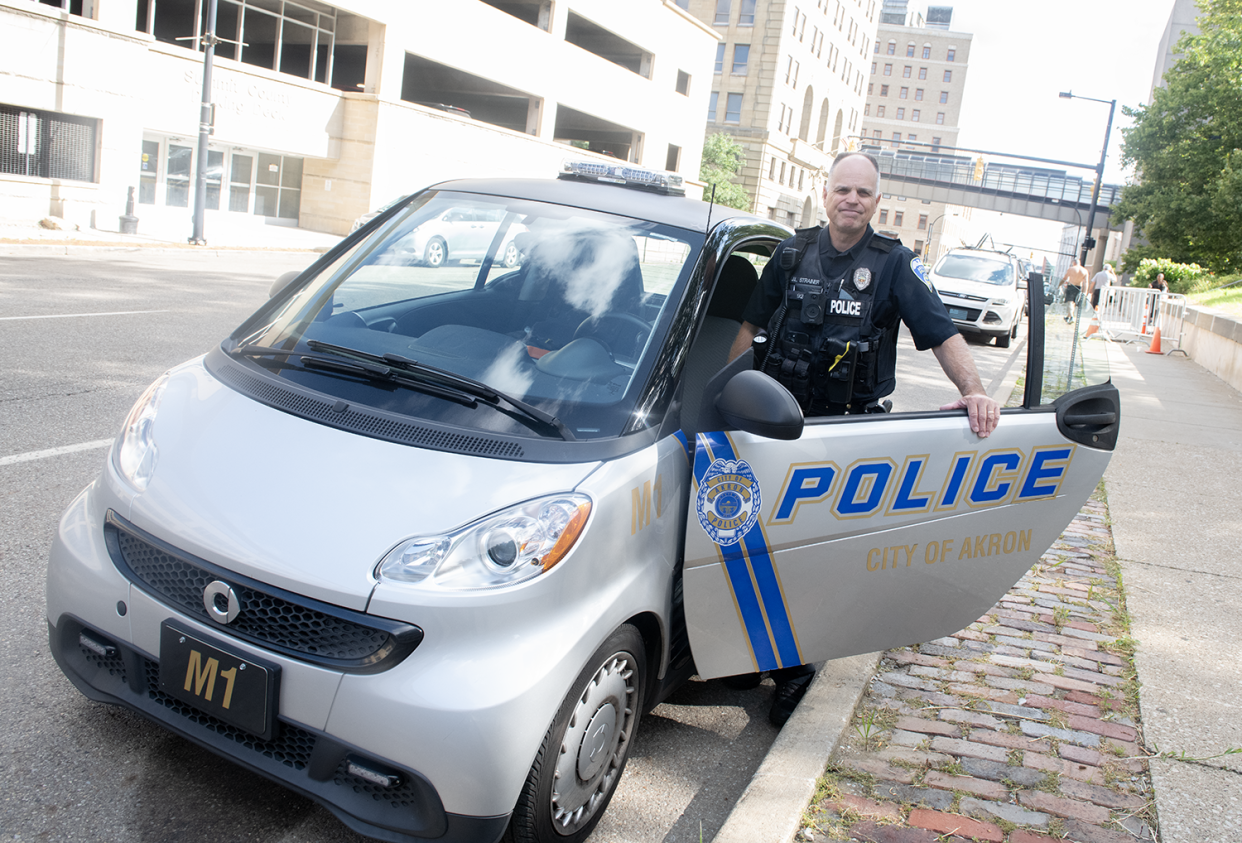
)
(958, 313)
(218, 680)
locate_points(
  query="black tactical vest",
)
(824, 345)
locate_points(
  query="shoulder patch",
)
(916, 266)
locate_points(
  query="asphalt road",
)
(80, 338)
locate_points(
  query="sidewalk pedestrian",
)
(1103, 278)
(1072, 282)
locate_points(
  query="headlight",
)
(135, 453)
(507, 547)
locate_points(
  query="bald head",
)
(846, 156)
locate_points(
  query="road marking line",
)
(77, 315)
(55, 452)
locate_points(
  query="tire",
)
(1002, 341)
(510, 258)
(584, 752)
(436, 252)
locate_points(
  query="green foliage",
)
(1186, 148)
(722, 160)
(1181, 277)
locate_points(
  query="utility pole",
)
(205, 127)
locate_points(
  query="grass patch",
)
(1225, 299)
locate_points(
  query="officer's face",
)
(851, 196)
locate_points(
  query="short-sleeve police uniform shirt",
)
(908, 297)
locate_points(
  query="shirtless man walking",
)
(1073, 282)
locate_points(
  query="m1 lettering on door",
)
(200, 676)
(642, 498)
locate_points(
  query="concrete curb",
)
(770, 810)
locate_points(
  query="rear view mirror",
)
(282, 282)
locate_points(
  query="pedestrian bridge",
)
(956, 180)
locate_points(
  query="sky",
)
(1026, 51)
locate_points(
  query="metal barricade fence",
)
(1124, 313)
(1171, 320)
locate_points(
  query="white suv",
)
(980, 289)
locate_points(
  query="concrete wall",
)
(1214, 341)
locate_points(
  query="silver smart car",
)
(424, 544)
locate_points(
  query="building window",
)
(939, 117)
(914, 115)
(918, 94)
(911, 138)
(922, 73)
(875, 133)
(867, 110)
(892, 47)
(905, 92)
(877, 46)
(683, 83)
(741, 55)
(733, 108)
(278, 186)
(870, 88)
(935, 144)
(782, 178)
(948, 76)
(746, 16)
(888, 70)
(879, 111)
(873, 67)
(905, 71)
(791, 73)
(896, 137)
(47, 145)
(944, 97)
(883, 90)
(673, 160)
(884, 216)
(683, 4)
(720, 48)
(772, 170)
(910, 50)
(927, 51)
(711, 106)
(722, 12)
(901, 114)
(952, 54)
(918, 247)
(897, 217)
(922, 222)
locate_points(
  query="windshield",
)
(976, 268)
(558, 307)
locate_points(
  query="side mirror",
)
(753, 402)
(282, 282)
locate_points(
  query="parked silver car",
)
(424, 544)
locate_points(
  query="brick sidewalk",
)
(1018, 729)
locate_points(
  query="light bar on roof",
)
(624, 175)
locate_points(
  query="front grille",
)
(275, 619)
(972, 314)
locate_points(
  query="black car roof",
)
(676, 211)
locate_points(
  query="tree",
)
(722, 160)
(1186, 149)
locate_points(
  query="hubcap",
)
(595, 744)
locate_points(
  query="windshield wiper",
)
(362, 369)
(449, 379)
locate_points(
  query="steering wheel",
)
(616, 329)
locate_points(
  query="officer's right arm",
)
(745, 336)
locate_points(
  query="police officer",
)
(831, 300)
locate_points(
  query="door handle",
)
(1085, 419)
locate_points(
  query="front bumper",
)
(302, 759)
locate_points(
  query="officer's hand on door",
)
(983, 412)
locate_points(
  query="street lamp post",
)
(209, 41)
(1088, 240)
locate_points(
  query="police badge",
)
(862, 278)
(728, 502)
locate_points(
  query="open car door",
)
(870, 532)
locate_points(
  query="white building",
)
(788, 86)
(915, 89)
(1183, 20)
(323, 112)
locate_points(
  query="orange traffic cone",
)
(1155, 343)
(1093, 327)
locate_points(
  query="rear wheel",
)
(584, 752)
(1003, 341)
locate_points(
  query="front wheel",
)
(584, 752)
(435, 253)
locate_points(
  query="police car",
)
(424, 544)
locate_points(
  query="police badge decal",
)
(728, 502)
(862, 278)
